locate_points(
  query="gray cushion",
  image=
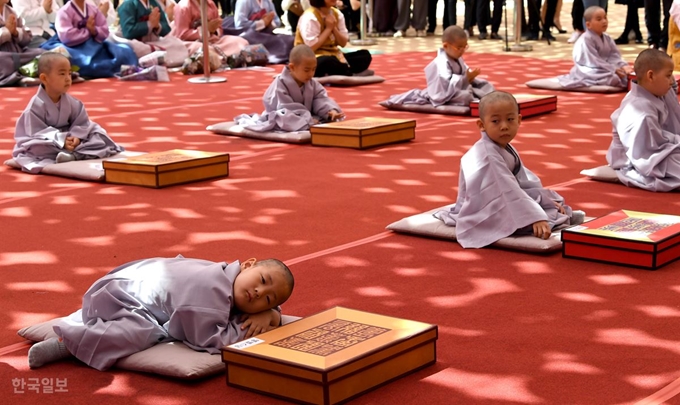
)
(90, 169)
(172, 359)
(230, 128)
(427, 225)
(429, 108)
(348, 81)
(552, 84)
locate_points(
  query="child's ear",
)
(248, 263)
(480, 124)
(42, 77)
(519, 119)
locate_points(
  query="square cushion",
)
(601, 173)
(552, 84)
(426, 224)
(348, 81)
(172, 359)
(90, 169)
(230, 128)
(429, 108)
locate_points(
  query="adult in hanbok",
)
(55, 126)
(38, 16)
(645, 147)
(597, 60)
(187, 27)
(206, 305)
(322, 27)
(497, 195)
(82, 30)
(14, 40)
(146, 28)
(255, 20)
(294, 101)
(449, 80)
(107, 9)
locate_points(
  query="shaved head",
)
(650, 59)
(590, 11)
(47, 60)
(497, 97)
(453, 33)
(300, 52)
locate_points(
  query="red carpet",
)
(514, 328)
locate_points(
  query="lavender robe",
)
(645, 148)
(289, 107)
(142, 303)
(595, 62)
(8, 43)
(447, 84)
(498, 197)
(44, 125)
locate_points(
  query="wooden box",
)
(162, 169)
(629, 238)
(363, 133)
(529, 105)
(331, 357)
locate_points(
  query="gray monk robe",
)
(44, 125)
(142, 303)
(498, 197)
(289, 107)
(447, 83)
(595, 62)
(645, 148)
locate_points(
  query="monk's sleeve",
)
(322, 104)
(204, 329)
(646, 143)
(31, 126)
(443, 85)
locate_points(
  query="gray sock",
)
(63, 157)
(47, 351)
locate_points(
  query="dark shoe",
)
(638, 38)
(622, 40)
(471, 32)
(482, 35)
(548, 36)
(494, 35)
(532, 36)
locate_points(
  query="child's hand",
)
(47, 6)
(257, 323)
(331, 22)
(214, 25)
(472, 73)
(560, 208)
(90, 25)
(542, 229)
(335, 115)
(628, 69)
(11, 25)
(268, 18)
(104, 7)
(620, 72)
(71, 143)
(155, 18)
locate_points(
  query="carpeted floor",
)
(514, 328)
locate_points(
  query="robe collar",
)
(52, 108)
(294, 90)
